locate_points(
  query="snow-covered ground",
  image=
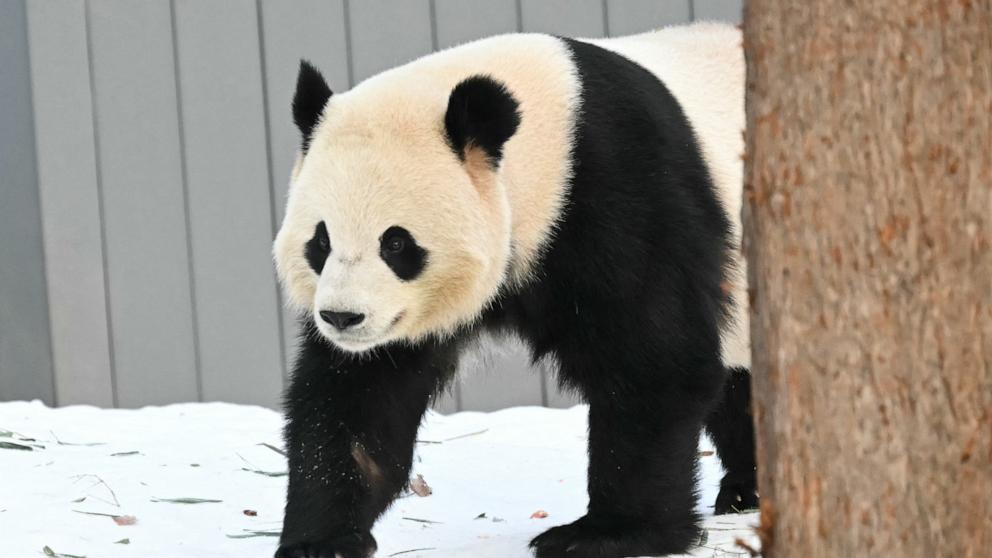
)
(489, 473)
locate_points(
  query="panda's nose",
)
(341, 320)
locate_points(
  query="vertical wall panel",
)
(143, 199)
(461, 21)
(387, 33)
(570, 18)
(70, 201)
(315, 30)
(627, 17)
(720, 10)
(25, 347)
(230, 216)
(499, 376)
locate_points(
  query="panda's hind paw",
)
(738, 494)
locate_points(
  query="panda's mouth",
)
(360, 343)
(396, 320)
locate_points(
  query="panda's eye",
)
(322, 238)
(318, 248)
(394, 245)
(402, 254)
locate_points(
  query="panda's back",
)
(703, 67)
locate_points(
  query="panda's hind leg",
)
(643, 458)
(731, 427)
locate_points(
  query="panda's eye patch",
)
(401, 253)
(318, 248)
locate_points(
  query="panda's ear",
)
(312, 93)
(482, 114)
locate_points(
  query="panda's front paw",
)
(557, 541)
(738, 494)
(355, 545)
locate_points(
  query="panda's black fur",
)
(312, 93)
(627, 299)
(731, 427)
(331, 504)
(481, 112)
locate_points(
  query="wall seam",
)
(177, 79)
(349, 51)
(115, 396)
(606, 18)
(432, 7)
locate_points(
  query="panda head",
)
(397, 225)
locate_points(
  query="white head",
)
(397, 225)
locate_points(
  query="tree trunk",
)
(868, 225)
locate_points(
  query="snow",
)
(506, 465)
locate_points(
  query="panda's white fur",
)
(385, 161)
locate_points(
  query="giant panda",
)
(583, 195)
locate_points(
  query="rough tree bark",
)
(869, 238)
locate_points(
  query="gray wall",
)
(127, 278)
(25, 348)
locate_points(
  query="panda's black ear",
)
(312, 93)
(482, 114)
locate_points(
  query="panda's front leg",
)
(351, 428)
